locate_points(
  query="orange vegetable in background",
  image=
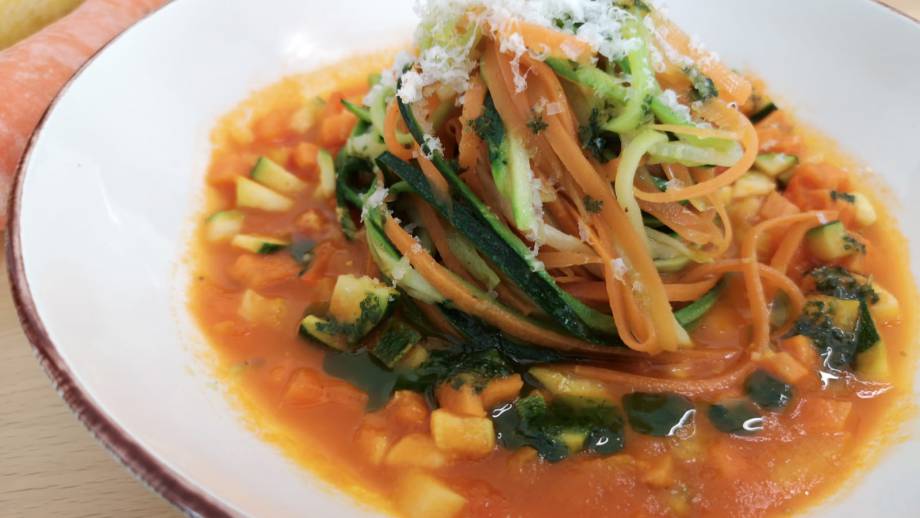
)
(33, 71)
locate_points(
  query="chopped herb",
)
(364, 372)
(851, 244)
(537, 124)
(738, 417)
(703, 87)
(603, 145)
(843, 196)
(658, 414)
(593, 205)
(837, 282)
(372, 311)
(561, 427)
(767, 390)
(489, 125)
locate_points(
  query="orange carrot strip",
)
(389, 133)
(691, 387)
(732, 87)
(469, 144)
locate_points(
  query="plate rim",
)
(144, 466)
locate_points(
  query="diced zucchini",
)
(223, 225)
(566, 385)
(886, 308)
(352, 296)
(273, 176)
(767, 390)
(326, 166)
(574, 440)
(672, 264)
(844, 313)
(872, 364)
(865, 211)
(753, 184)
(466, 436)
(414, 357)
(258, 244)
(774, 164)
(254, 195)
(830, 241)
(258, 309)
(763, 109)
(321, 330)
(394, 341)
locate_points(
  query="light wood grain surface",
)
(49, 464)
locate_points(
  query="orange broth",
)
(803, 454)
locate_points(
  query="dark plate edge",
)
(152, 472)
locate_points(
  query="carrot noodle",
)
(389, 133)
(469, 299)
(434, 177)
(643, 278)
(596, 291)
(789, 245)
(690, 291)
(696, 132)
(732, 87)
(688, 387)
(432, 223)
(541, 40)
(470, 144)
(776, 279)
(563, 259)
(716, 111)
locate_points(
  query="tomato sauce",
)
(802, 455)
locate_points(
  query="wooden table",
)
(49, 464)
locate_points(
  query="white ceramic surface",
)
(115, 176)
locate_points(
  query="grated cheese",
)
(444, 56)
(373, 201)
(432, 145)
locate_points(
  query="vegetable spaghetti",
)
(558, 259)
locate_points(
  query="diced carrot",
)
(786, 367)
(824, 415)
(501, 390)
(279, 155)
(272, 126)
(333, 105)
(408, 409)
(345, 394)
(225, 167)
(263, 271)
(777, 135)
(305, 155)
(802, 349)
(334, 130)
(305, 388)
(461, 400)
(777, 205)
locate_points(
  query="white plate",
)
(103, 211)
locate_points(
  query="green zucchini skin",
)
(472, 218)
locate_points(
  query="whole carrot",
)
(33, 71)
